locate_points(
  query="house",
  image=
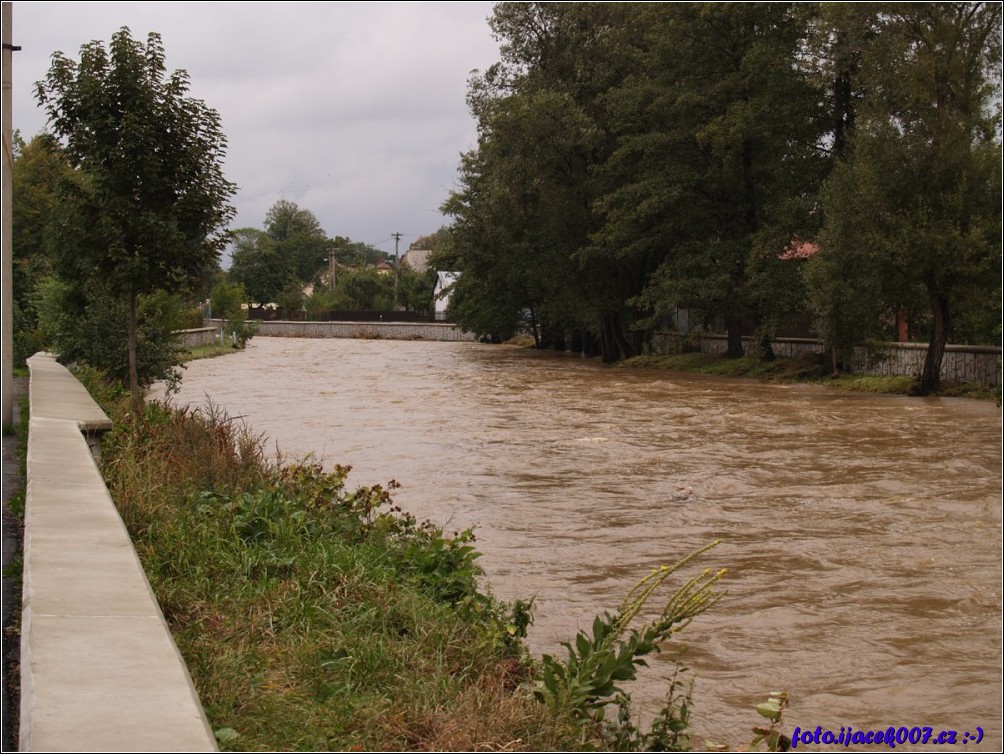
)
(442, 292)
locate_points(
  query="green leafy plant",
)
(771, 735)
(590, 677)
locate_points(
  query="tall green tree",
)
(922, 183)
(149, 203)
(299, 238)
(257, 265)
(38, 170)
(525, 213)
(719, 162)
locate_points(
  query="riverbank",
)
(312, 617)
(805, 370)
(207, 352)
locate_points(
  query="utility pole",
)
(332, 262)
(397, 264)
(7, 269)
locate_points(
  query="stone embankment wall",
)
(979, 364)
(370, 330)
(199, 336)
(99, 667)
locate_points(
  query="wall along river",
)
(862, 534)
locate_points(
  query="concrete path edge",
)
(99, 668)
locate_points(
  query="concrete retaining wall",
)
(199, 336)
(979, 364)
(442, 331)
(99, 668)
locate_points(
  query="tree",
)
(299, 238)
(718, 163)
(525, 209)
(633, 159)
(149, 202)
(922, 183)
(257, 265)
(39, 168)
(358, 253)
(433, 241)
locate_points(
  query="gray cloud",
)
(353, 110)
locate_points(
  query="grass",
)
(13, 574)
(207, 352)
(801, 370)
(313, 617)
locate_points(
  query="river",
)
(862, 534)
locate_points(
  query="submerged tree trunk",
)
(930, 379)
(137, 401)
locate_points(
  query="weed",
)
(590, 679)
(15, 504)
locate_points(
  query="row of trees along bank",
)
(756, 164)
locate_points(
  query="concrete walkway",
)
(99, 668)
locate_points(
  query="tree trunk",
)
(930, 379)
(733, 327)
(615, 344)
(137, 401)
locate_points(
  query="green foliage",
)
(299, 238)
(637, 159)
(920, 193)
(257, 266)
(38, 169)
(146, 206)
(720, 166)
(669, 730)
(351, 253)
(363, 289)
(589, 679)
(84, 324)
(226, 299)
(313, 616)
(414, 292)
(291, 301)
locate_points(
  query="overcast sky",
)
(354, 111)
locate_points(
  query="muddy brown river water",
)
(862, 534)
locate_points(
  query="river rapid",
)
(862, 534)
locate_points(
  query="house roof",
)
(445, 280)
(417, 259)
